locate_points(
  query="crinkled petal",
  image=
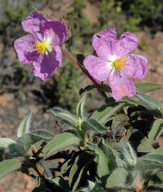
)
(97, 67)
(103, 43)
(136, 66)
(126, 43)
(121, 86)
(56, 31)
(47, 64)
(34, 24)
(23, 46)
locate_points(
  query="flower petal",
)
(103, 41)
(23, 46)
(121, 86)
(126, 43)
(55, 30)
(47, 64)
(97, 67)
(34, 24)
(136, 66)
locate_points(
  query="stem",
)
(104, 96)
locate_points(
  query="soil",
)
(13, 110)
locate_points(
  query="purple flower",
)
(114, 61)
(42, 46)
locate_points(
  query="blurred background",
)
(21, 93)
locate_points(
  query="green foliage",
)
(7, 166)
(155, 131)
(114, 149)
(60, 142)
(24, 126)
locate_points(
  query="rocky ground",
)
(13, 110)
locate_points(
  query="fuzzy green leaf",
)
(152, 160)
(129, 101)
(61, 141)
(129, 155)
(43, 134)
(93, 125)
(64, 116)
(150, 103)
(6, 142)
(80, 107)
(99, 113)
(7, 166)
(119, 178)
(146, 87)
(105, 112)
(118, 122)
(145, 146)
(156, 130)
(24, 125)
(11, 145)
(25, 142)
(106, 160)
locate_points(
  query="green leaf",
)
(93, 125)
(152, 160)
(118, 122)
(11, 145)
(119, 178)
(146, 87)
(6, 142)
(106, 160)
(129, 155)
(105, 112)
(156, 130)
(79, 169)
(7, 166)
(129, 101)
(145, 146)
(158, 151)
(61, 141)
(80, 107)
(150, 103)
(63, 184)
(24, 125)
(99, 113)
(25, 142)
(65, 116)
(42, 134)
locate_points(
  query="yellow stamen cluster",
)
(120, 63)
(41, 47)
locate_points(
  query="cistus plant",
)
(115, 148)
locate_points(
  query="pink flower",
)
(42, 46)
(114, 61)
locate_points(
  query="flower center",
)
(120, 63)
(41, 47)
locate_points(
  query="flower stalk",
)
(103, 95)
